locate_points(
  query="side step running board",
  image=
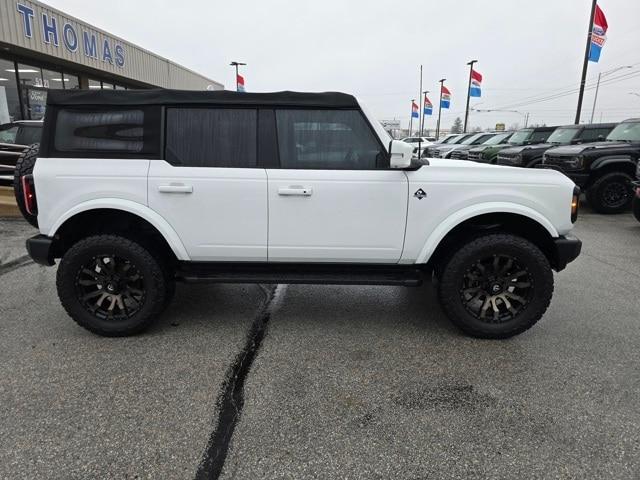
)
(328, 274)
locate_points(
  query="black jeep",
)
(531, 155)
(605, 169)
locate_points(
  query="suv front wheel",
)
(111, 285)
(496, 286)
(611, 193)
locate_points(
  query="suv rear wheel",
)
(111, 285)
(496, 286)
(611, 193)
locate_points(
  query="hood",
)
(578, 149)
(526, 148)
(498, 173)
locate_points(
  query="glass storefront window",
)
(34, 93)
(95, 84)
(9, 99)
(52, 79)
(71, 82)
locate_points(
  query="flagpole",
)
(411, 117)
(236, 64)
(466, 112)
(585, 63)
(424, 100)
(421, 117)
(439, 108)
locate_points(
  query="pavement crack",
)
(15, 264)
(230, 401)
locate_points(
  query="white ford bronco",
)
(135, 190)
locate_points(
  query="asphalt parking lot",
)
(346, 382)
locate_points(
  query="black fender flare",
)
(534, 162)
(611, 160)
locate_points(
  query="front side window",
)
(102, 133)
(212, 137)
(327, 139)
(540, 136)
(28, 135)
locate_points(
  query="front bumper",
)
(40, 249)
(565, 250)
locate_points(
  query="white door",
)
(332, 200)
(209, 189)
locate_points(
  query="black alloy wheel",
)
(110, 287)
(496, 288)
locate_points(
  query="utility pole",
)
(420, 109)
(595, 98)
(411, 117)
(466, 112)
(236, 64)
(442, 80)
(585, 63)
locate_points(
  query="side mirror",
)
(400, 154)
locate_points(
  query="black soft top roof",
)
(192, 97)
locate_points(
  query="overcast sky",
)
(373, 49)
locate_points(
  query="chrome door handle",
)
(295, 191)
(175, 188)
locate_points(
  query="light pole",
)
(413, 100)
(420, 119)
(466, 111)
(442, 80)
(600, 75)
(236, 64)
(525, 115)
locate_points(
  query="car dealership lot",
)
(353, 382)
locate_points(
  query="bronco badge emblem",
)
(420, 194)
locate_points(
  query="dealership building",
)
(42, 48)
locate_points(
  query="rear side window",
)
(327, 139)
(129, 132)
(594, 134)
(212, 137)
(8, 135)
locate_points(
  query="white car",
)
(135, 190)
(419, 144)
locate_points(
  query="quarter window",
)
(103, 133)
(212, 137)
(327, 139)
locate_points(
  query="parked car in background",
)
(636, 198)
(488, 151)
(445, 151)
(462, 153)
(530, 155)
(450, 139)
(604, 169)
(418, 143)
(15, 137)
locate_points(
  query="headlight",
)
(574, 163)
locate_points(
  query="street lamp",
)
(236, 64)
(525, 115)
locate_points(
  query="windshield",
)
(520, 137)
(459, 139)
(476, 139)
(450, 139)
(563, 135)
(497, 139)
(625, 132)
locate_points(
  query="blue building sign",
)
(77, 42)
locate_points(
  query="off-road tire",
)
(450, 285)
(596, 193)
(636, 207)
(151, 271)
(24, 166)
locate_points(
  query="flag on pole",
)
(414, 110)
(240, 80)
(428, 107)
(476, 81)
(598, 35)
(445, 97)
